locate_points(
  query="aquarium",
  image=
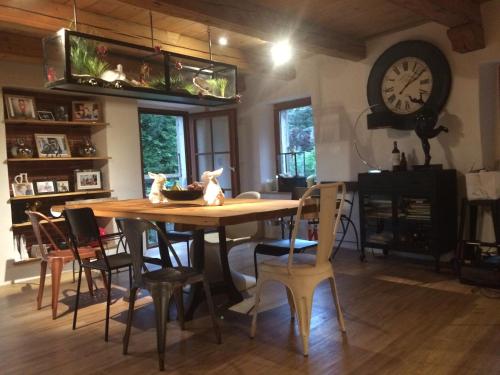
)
(200, 77)
(86, 63)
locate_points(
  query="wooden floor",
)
(401, 318)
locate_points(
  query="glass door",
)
(163, 146)
(214, 146)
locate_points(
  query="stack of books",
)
(418, 209)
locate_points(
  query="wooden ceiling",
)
(333, 27)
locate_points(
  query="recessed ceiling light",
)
(223, 41)
(281, 52)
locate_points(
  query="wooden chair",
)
(55, 253)
(301, 273)
(162, 284)
(84, 231)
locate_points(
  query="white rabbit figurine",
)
(156, 196)
(212, 192)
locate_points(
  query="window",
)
(294, 137)
(163, 146)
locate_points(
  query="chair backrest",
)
(245, 229)
(134, 231)
(83, 230)
(329, 206)
(42, 234)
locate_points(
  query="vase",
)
(87, 149)
(21, 150)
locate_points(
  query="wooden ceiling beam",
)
(51, 16)
(21, 48)
(251, 19)
(463, 17)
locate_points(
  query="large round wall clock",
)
(408, 78)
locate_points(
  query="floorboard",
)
(401, 318)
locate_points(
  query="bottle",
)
(403, 165)
(396, 157)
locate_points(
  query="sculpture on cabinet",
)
(425, 123)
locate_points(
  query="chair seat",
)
(213, 239)
(282, 247)
(67, 254)
(302, 264)
(115, 261)
(170, 275)
(174, 235)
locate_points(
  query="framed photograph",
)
(52, 145)
(88, 180)
(86, 111)
(62, 186)
(45, 187)
(20, 107)
(24, 188)
(45, 115)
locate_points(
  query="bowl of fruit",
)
(192, 193)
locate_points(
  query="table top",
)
(234, 211)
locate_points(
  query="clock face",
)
(406, 85)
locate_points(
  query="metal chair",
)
(55, 253)
(162, 284)
(83, 231)
(301, 273)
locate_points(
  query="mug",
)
(21, 178)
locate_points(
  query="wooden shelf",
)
(24, 261)
(28, 223)
(55, 123)
(15, 160)
(68, 194)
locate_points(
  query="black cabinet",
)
(413, 211)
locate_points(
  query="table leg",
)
(233, 293)
(196, 291)
(163, 247)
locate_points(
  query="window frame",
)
(187, 144)
(277, 108)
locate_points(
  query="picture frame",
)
(45, 115)
(45, 187)
(90, 179)
(20, 107)
(86, 111)
(62, 186)
(22, 189)
(52, 145)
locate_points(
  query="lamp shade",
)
(80, 62)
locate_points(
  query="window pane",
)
(224, 161)
(162, 141)
(220, 128)
(297, 136)
(203, 135)
(204, 164)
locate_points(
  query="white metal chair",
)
(235, 235)
(301, 273)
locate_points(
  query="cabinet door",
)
(214, 145)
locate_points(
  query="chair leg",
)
(291, 303)
(161, 298)
(180, 306)
(130, 317)
(43, 273)
(187, 253)
(77, 300)
(108, 303)
(340, 316)
(255, 264)
(56, 267)
(256, 309)
(304, 307)
(88, 277)
(129, 277)
(73, 268)
(211, 309)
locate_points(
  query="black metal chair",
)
(84, 233)
(163, 284)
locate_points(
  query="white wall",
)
(338, 91)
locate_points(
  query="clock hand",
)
(411, 80)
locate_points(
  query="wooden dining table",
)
(198, 219)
